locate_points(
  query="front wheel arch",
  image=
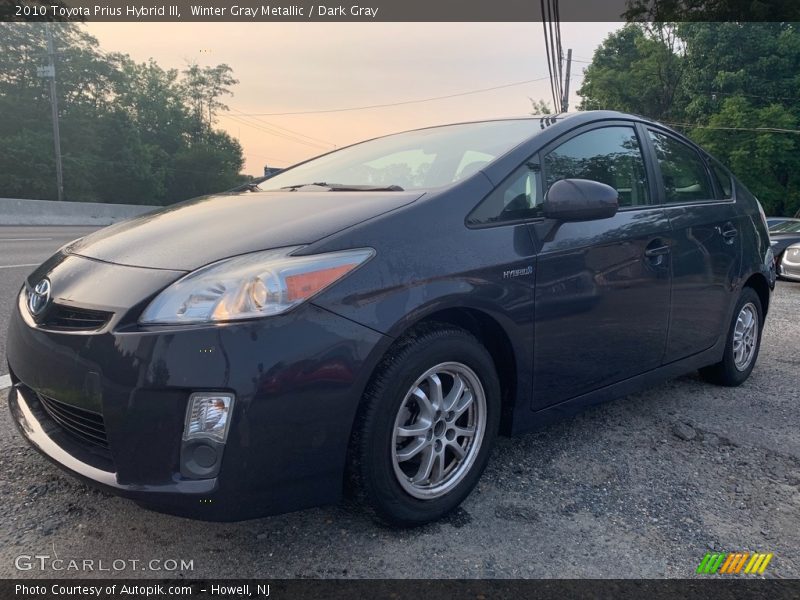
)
(368, 480)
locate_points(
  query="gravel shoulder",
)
(640, 487)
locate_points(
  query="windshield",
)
(427, 158)
(786, 227)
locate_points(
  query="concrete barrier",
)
(14, 211)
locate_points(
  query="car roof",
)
(576, 117)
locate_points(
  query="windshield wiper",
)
(297, 186)
(341, 187)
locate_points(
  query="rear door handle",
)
(728, 232)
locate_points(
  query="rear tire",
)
(742, 343)
(428, 420)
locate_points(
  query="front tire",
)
(426, 426)
(742, 343)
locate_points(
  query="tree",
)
(130, 132)
(540, 107)
(718, 11)
(201, 168)
(204, 86)
(637, 69)
(733, 87)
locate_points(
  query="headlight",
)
(250, 286)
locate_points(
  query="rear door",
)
(602, 287)
(706, 247)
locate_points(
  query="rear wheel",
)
(425, 429)
(742, 345)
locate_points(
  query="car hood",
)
(198, 232)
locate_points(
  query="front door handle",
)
(657, 251)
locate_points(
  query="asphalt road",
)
(640, 487)
(22, 249)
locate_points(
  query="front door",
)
(602, 295)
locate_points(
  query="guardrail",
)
(17, 211)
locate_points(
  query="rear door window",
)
(683, 171)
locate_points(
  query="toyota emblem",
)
(39, 297)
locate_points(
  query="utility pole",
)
(50, 73)
(565, 100)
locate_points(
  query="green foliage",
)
(540, 107)
(768, 163)
(722, 84)
(130, 132)
(635, 70)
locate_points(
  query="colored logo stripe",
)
(710, 563)
(758, 563)
(734, 562)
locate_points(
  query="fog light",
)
(208, 416)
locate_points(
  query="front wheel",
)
(742, 344)
(425, 429)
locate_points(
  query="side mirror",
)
(580, 200)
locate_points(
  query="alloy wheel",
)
(438, 430)
(745, 336)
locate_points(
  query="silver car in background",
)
(789, 266)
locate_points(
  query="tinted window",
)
(682, 170)
(516, 198)
(611, 155)
(723, 178)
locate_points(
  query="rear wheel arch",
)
(758, 282)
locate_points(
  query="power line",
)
(285, 129)
(290, 138)
(551, 24)
(256, 126)
(751, 95)
(545, 20)
(403, 103)
(723, 128)
(559, 49)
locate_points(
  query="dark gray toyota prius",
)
(373, 318)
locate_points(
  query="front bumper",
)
(57, 445)
(297, 379)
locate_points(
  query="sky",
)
(298, 67)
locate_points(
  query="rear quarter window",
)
(723, 178)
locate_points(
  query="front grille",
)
(67, 318)
(84, 424)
